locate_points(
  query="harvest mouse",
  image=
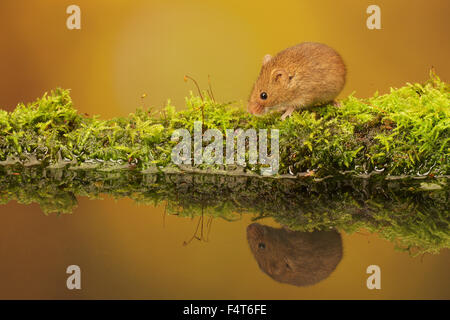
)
(294, 257)
(301, 76)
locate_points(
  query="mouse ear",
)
(266, 58)
(279, 76)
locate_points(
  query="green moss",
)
(405, 132)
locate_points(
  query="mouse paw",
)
(336, 103)
(287, 113)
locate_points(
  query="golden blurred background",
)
(127, 48)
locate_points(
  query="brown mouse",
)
(301, 76)
(294, 257)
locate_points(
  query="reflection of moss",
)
(403, 132)
(407, 212)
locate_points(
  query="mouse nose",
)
(254, 230)
(255, 108)
(250, 108)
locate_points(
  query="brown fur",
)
(300, 76)
(293, 257)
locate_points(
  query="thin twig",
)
(196, 84)
(210, 89)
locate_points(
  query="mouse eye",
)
(261, 245)
(263, 95)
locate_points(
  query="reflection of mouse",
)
(294, 257)
(301, 76)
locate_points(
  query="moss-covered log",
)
(404, 132)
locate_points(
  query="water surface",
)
(188, 237)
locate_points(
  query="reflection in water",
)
(202, 230)
(413, 213)
(294, 257)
